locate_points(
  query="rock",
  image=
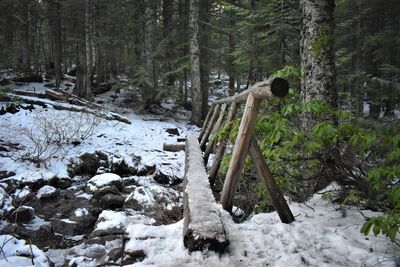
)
(6, 174)
(172, 131)
(88, 164)
(47, 191)
(133, 257)
(85, 218)
(22, 214)
(129, 181)
(62, 183)
(115, 254)
(66, 227)
(101, 240)
(120, 167)
(111, 201)
(129, 189)
(162, 178)
(24, 196)
(103, 180)
(4, 82)
(106, 190)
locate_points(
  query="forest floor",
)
(114, 197)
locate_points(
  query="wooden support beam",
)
(207, 120)
(221, 146)
(278, 200)
(277, 87)
(202, 224)
(210, 125)
(215, 129)
(240, 151)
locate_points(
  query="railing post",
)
(221, 146)
(210, 126)
(240, 151)
(216, 127)
(206, 121)
(278, 201)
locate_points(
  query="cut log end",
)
(280, 87)
(195, 243)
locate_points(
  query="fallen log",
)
(173, 147)
(100, 88)
(29, 79)
(202, 225)
(64, 106)
(54, 95)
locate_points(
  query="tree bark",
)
(148, 92)
(197, 97)
(55, 28)
(317, 54)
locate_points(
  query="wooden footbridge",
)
(203, 227)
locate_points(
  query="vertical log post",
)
(210, 125)
(279, 202)
(221, 146)
(216, 127)
(207, 120)
(240, 151)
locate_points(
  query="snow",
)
(17, 252)
(102, 180)
(320, 236)
(120, 220)
(81, 212)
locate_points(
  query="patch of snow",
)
(120, 220)
(81, 212)
(17, 252)
(320, 236)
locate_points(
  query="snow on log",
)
(202, 228)
(70, 107)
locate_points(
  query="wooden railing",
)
(245, 143)
(203, 227)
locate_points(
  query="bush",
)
(363, 157)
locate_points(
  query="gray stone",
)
(22, 214)
(111, 201)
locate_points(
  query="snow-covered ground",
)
(320, 236)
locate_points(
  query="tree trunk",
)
(317, 54)
(204, 55)
(148, 92)
(25, 30)
(84, 68)
(55, 28)
(197, 98)
(230, 59)
(168, 11)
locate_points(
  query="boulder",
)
(102, 180)
(106, 190)
(60, 182)
(88, 164)
(162, 178)
(22, 214)
(46, 192)
(66, 227)
(111, 201)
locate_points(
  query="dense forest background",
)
(149, 41)
(336, 54)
